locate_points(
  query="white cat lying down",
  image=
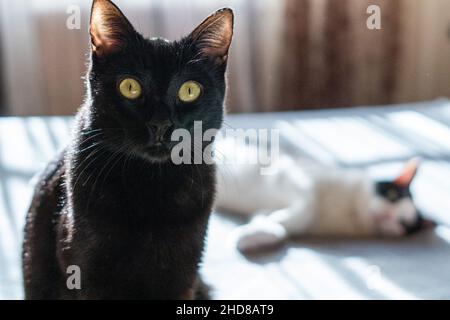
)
(303, 198)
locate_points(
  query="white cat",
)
(304, 198)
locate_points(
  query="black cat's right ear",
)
(213, 36)
(110, 30)
(409, 172)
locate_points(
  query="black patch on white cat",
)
(392, 192)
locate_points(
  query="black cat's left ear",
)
(110, 30)
(213, 36)
(409, 172)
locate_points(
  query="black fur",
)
(393, 192)
(113, 203)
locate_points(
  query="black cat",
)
(114, 203)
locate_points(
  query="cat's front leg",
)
(266, 232)
(260, 234)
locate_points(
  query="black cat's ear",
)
(409, 172)
(213, 36)
(110, 30)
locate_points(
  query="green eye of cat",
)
(130, 88)
(189, 91)
(392, 195)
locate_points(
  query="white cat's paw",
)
(260, 235)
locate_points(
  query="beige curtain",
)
(44, 61)
(334, 60)
(287, 54)
(19, 59)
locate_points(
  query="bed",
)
(380, 138)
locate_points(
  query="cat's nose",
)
(159, 128)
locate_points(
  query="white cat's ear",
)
(110, 30)
(213, 36)
(408, 173)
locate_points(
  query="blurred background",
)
(286, 55)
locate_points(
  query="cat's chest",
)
(160, 195)
(148, 212)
